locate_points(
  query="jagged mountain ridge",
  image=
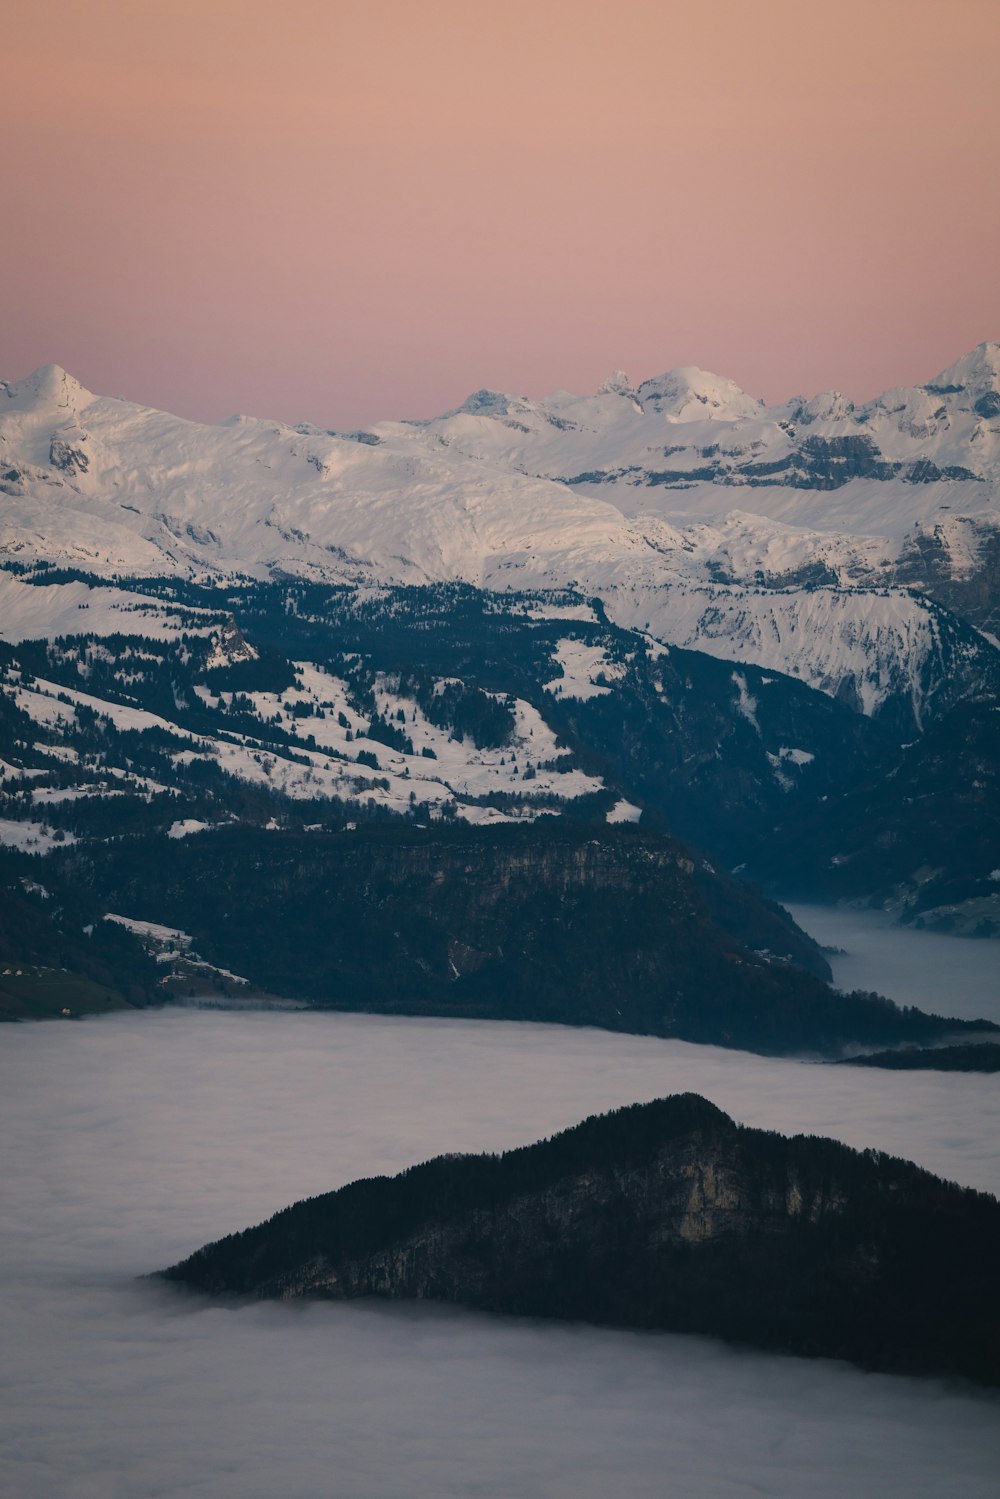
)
(566, 492)
(688, 428)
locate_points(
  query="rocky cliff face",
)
(693, 1191)
(958, 563)
(661, 1215)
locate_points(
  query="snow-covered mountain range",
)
(769, 631)
(814, 538)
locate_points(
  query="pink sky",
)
(336, 210)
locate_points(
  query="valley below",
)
(134, 1138)
(866, 949)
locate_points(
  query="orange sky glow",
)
(341, 211)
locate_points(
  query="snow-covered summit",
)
(977, 371)
(826, 406)
(486, 403)
(48, 386)
(693, 394)
(617, 384)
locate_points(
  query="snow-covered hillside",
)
(316, 741)
(771, 535)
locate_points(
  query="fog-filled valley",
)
(866, 949)
(132, 1139)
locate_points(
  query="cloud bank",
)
(130, 1140)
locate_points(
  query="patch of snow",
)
(624, 811)
(64, 752)
(783, 780)
(484, 816)
(746, 703)
(796, 756)
(582, 667)
(32, 837)
(170, 945)
(55, 794)
(19, 772)
(582, 613)
(153, 931)
(43, 611)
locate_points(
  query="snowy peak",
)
(977, 371)
(493, 403)
(48, 386)
(691, 394)
(617, 384)
(973, 382)
(485, 403)
(827, 406)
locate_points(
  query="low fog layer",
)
(131, 1140)
(944, 975)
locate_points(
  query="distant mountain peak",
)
(51, 385)
(617, 384)
(691, 394)
(826, 406)
(484, 403)
(976, 371)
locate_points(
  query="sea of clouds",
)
(130, 1140)
(942, 974)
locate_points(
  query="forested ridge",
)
(557, 922)
(662, 1215)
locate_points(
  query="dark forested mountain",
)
(664, 1215)
(319, 704)
(559, 922)
(322, 789)
(311, 705)
(979, 1056)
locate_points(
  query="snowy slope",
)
(749, 490)
(44, 611)
(864, 646)
(683, 503)
(312, 758)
